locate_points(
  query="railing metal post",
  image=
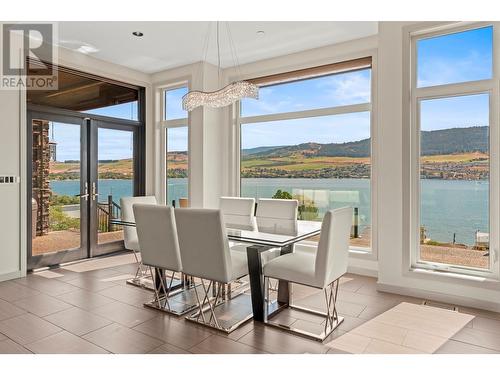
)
(356, 223)
(110, 212)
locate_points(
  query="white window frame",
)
(164, 126)
(238, 121)
(416, 95)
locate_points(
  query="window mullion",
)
(340, 110)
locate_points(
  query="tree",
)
(282, 194)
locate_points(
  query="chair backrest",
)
(238, 212)
(127, 213)
(277, 216)
(333, 247)
(203, 243)
(157, 233)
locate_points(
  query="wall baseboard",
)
(10, 275)
(357, 270)
(440, 297)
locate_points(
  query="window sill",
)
(472, 280)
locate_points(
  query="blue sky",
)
(446, 59)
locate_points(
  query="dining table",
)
(261, 240)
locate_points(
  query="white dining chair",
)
(129, 232)
(278, 216)
(157, 233)
(238, 212)
(205, 254)
(322, 271)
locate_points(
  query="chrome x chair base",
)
(176, 302)
(218, 312)
(332, 319)
(142, 278)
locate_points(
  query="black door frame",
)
(89, 125)
(97, 249)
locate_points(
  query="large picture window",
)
(454, 204)
(310, 139)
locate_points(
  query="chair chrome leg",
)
(332, 319)
(163, 295)
(267, 301)
(225, 322)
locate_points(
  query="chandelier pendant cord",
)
(224, 95)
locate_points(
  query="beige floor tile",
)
(477, 337)
(124, 314)
(478, 312)
(369, 313)
(42, 305)
(131, 295)
(9, 310)
(27, 328)
(91, 284)
(11, 347)
(219, 345)
(457, 347)
(119, 339)
(51, 286)
(383, 347)
(486, 324)
(423, 342)
(238, 333)
(11, 291)
(310, 327)
(84, 299)
(169, 349)
(350, 343)
(78, 321)
(182, 334)
(317, 302)
(274, 340)
(351, 322)
(64, 343)
(366, 299)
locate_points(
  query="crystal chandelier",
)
(226, 95)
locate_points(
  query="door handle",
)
(86, 195)
(94, 193)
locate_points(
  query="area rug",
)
(405, 329)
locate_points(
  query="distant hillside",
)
(436, 142)
(455, 141)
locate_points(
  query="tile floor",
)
(88, 308)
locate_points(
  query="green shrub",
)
(63, 200)
(282, 194)
(58, 220)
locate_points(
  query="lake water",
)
(448, 207)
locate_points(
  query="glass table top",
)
(268, 236)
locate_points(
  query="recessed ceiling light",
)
(137, 33)
(261, 33)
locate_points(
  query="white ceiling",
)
(170, 44)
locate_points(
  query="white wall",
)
(13, 155)
(205, 135)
